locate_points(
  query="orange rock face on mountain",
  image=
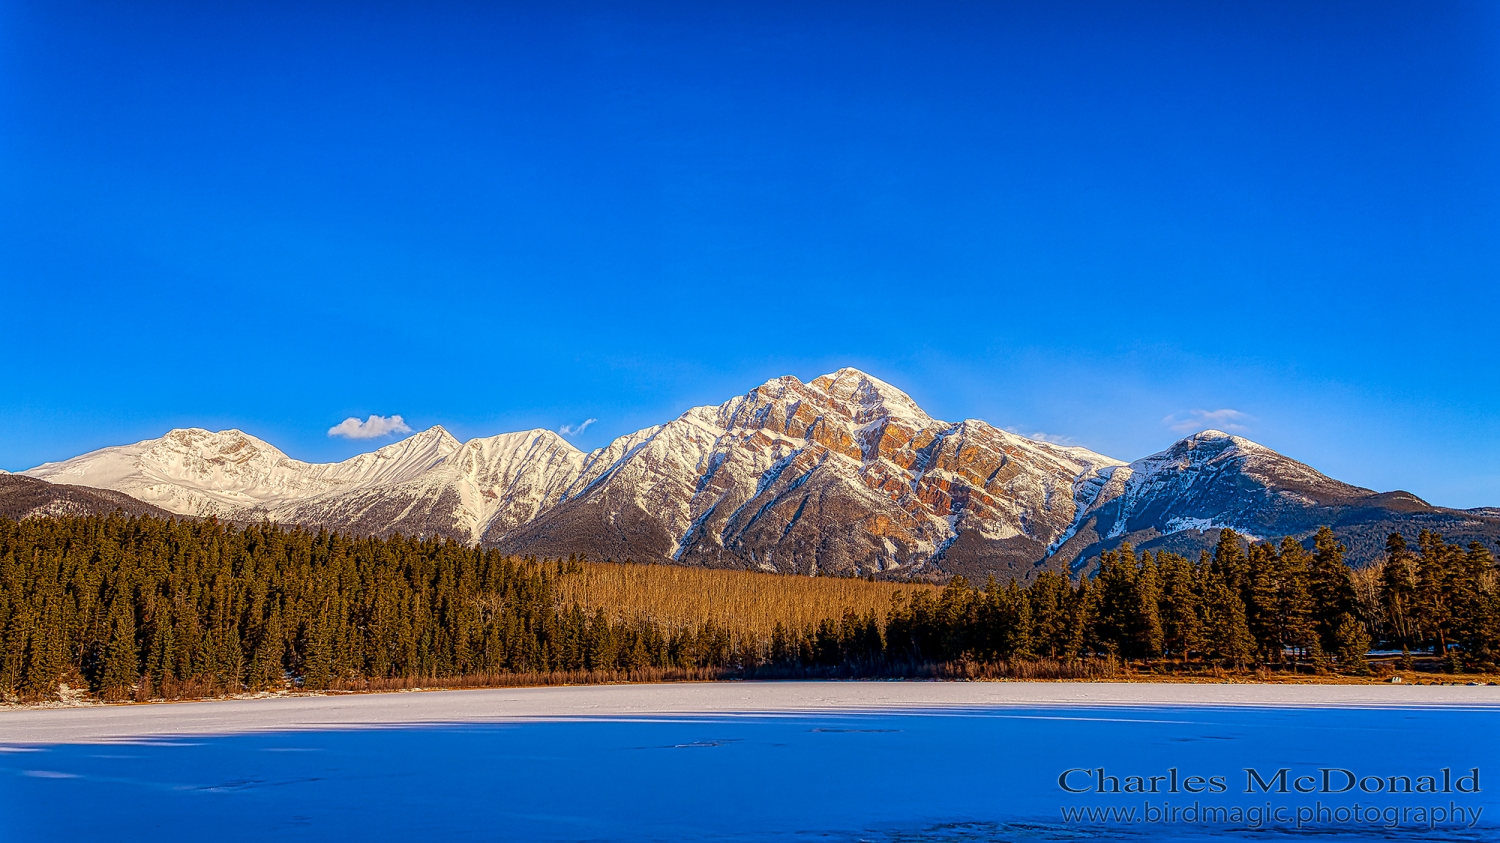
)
(845, 474)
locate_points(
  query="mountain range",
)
(840, 475)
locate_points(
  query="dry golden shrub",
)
(743, 601)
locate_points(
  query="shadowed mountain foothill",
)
(27, 497)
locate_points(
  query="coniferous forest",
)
(147, 608)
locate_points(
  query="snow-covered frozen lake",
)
(762, 761)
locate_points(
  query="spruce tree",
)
(1351, 643)
(1331, 586)
(1179, 609)
(1019, 642)
(1476, 627)
(121, 667)
(1115, 602)
(1225, 630)
(46, 657)
(1150, 635)
(1295, 609)
(1432, 602)
(1081, 621)
(1262, 604)
(1398, 588)
(1048, 596)
(1230, 561)
(266, 671)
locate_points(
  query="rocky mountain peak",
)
(866, 398)
(232, 445)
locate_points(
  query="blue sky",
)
(1093, 221)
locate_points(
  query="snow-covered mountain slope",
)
(428, 484)
(233, 474)
(1181, 497)
(844, 474)
(485, 487)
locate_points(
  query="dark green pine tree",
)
(161, 660)
(1230, 561)
(121, 667)
(1020, 642)
(1081, 612)
(1150, 637)
(1398, 590)
(1179, 611)
(1225, 631)
(1049, 595)
(1331, 587)
(47, 651)
(1351, 644)
(1114, 600)
(317, 657)
(1295, 618)
(1476, 626)
(1432, 604)
(266, 670)
(1262, 613)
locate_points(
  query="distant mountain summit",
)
(1180, 499)
(426, 484)
(844, 474)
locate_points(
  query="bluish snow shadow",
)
(885, 777)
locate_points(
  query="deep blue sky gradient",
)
(1073, 218)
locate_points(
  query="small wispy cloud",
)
(372, 428)
(1193, 421)
(575, 429)
(1042, 436)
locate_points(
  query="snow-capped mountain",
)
(426, 484)
(1181, 497)
(843, 474)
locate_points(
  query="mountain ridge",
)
(843, 474)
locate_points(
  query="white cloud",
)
(1193, 421)
(575, 429)
(371, 428)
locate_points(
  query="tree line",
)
(144, 608)
(1282, 605)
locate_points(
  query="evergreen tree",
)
(266, 670)
(1351, 643)
(1296, 620)
(122, 662)
(1262, 604)
(1020, 627)
(1049, 596)
(1433, 598)
(1230, 562)
(1150, 636)
(1331, 587)
(1179, 610)
(1081, 613)
(1114, 602)
(1476, 627)
(1226, 632)
(1398, 588)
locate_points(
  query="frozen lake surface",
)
(875, 761)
